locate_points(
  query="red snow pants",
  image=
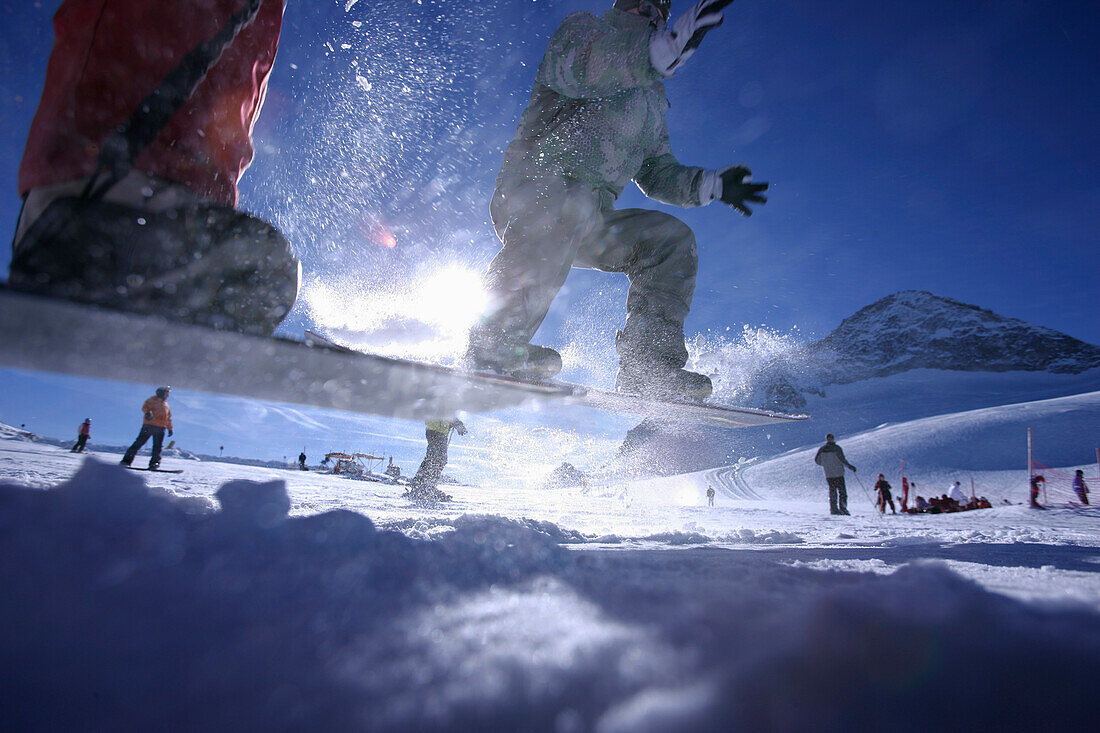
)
(109, 55)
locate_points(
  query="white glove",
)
(670, 48)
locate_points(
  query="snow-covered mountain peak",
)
(915, 329)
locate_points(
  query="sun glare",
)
(424, 318)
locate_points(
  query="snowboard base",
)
(47, 334)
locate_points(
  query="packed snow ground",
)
(231, 596)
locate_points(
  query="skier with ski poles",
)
(596, 121)
(129, 175)
(831, 459)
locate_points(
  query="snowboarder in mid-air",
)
(129, 176)
(423, 488)
(82, 434)
(831, 459)
(596, 121)
(156, 418)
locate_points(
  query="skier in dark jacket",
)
(594, 123)
(1080, 487)
(831, 459)
(882, 486)
(156, 418)
(85, 431)
(423, 486)
(302, 461)
(1037, 483)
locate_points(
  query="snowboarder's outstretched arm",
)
(665, 179)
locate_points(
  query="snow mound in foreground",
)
(126, 609)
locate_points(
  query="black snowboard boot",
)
(490, 351)
(206, 264)
(654, 369)
(662, 382)
(426, 495)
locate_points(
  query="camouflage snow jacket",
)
(597, 114)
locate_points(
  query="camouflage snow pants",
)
(550, 225)
(435, 460)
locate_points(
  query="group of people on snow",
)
(832, 461)
(1038, 484)
(156, 419)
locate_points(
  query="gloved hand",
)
(149, 415)
(733, 184)
(169, 433)
(668, 49)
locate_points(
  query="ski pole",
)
(865, 492)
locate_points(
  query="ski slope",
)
(234, 595)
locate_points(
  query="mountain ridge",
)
(908, 355)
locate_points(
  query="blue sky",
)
(948, 147)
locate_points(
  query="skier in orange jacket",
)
(156, 418)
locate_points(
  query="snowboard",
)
(47, 334)
(155, 470)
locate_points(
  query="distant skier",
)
(1080, 487)
(956, 494)
(1038, 482)
(156, 418)
(710, 495)
(882, 486)
(831, 459)
(424, 485)
(82, 434)
(596, 121)
(162, 236)
(905, 494)
(302, 461)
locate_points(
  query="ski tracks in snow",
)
(729, 481)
